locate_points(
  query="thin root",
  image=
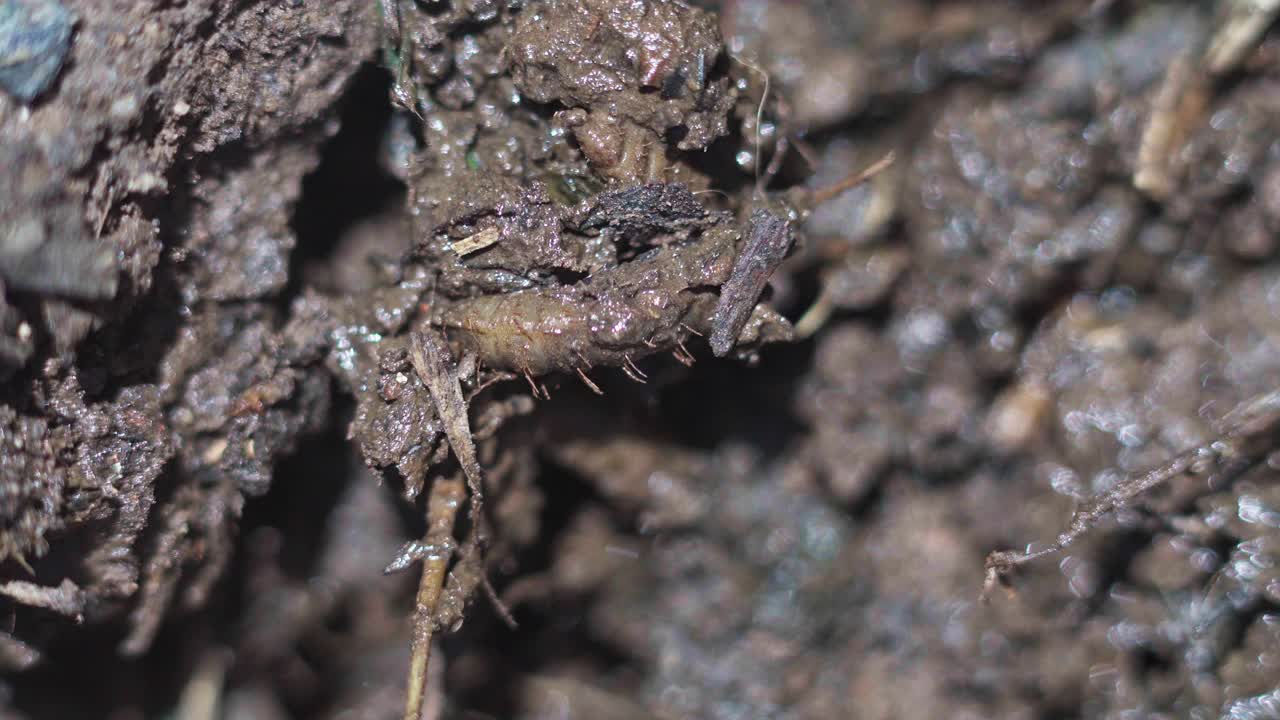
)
(434, 364)
(821, 195)
(815, 317)
(499, 606)
(764, 97)
(775, 164)
(1250, 433)
(447, 495)
(67, 598)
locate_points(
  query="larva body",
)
(650, 304)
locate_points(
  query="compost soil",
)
(275, 273)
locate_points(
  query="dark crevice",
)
(550, 629)
(351, 183)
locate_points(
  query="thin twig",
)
(446, 496)
(821, 195)
(434, 364)
(1247, 433)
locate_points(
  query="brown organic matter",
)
(697, 353)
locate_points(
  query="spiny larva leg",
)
(682, 354)
(635, 373)
(587, 381)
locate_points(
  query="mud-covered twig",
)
(446, 496)
(1248, 432)
(434, 364)
(769, 237)
(66, 599)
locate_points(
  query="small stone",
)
(34, 38)
(24, 236)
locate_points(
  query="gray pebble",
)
(34, 38)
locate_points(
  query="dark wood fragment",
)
(769, 237)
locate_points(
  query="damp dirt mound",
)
(639, 359)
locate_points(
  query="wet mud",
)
(570, 345)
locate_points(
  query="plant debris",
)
(735, 422)
(769, 237)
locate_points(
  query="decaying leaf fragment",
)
(769, 237)
(432, 361)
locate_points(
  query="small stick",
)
(446, 496)
(1249, 432)
(1178, 105)
(769, 238)
(476, 242)
(106, 211)
(821, 195)
(1239, 33)
(433, 362)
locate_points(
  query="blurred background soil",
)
(210, 246)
